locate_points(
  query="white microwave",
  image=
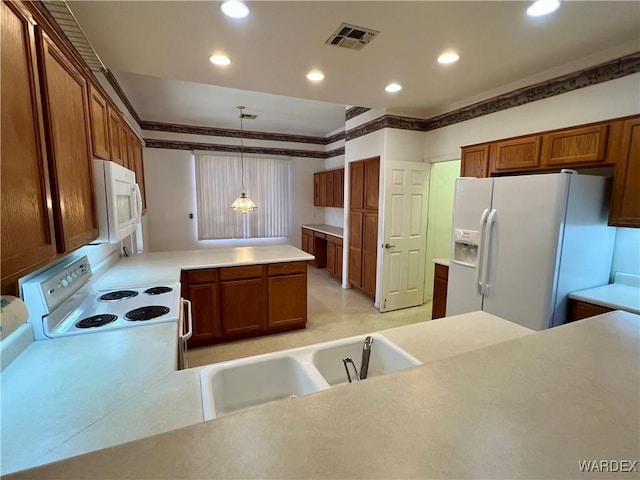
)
(118, 201)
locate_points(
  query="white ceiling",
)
(279, 42)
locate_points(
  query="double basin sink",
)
(228, 387)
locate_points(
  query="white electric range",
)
(61, 302)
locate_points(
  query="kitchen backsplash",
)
(626, 252)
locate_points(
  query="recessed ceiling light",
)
(448, 57)
(220, 59)
(542, 7)
(315, 76)
(392, 88)
(234, 9)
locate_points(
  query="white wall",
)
(616, 98)
(626, 252)
(171, 197)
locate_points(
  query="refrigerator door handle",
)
(487, 252)
(479, 266)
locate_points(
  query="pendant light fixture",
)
(242, 204)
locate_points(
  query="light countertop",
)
(164, 267)
(529, 407)
(441, 261)
(328, 229)
(623, 294)
(57, 389)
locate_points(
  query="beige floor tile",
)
(332, 313)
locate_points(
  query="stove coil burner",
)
(146, 313)
(96, 321)
(157, 290)
(117, 295)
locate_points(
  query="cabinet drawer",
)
(201, 276)
(582, 310)
(319, 235)
(233, 273)
(306, 231)
(286, 268)
(334, 240)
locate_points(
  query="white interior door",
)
(404, 235)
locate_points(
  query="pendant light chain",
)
(242, 204)
(242, 146)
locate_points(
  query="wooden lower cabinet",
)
(580, 310)
(440, 281)
(238, 302)
(334, 257)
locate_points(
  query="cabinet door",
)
(369, 252)
(516, 154)
(356, 183)
(69, 147)
(330, 200)
(316, 189)
(287, 300)
(115, 146)
(440, 282)
(338, 188)
(205, 311)
(99, 124)
(242, 306)
(323, 189)
(139, 169)
(331, 258)
(28, 239)
(575, 146)
(124, 143)
(371, 180)
(355, 248)
(475, 161)
(625, 200)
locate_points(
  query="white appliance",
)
(118, 201)
(521, 244)
(62, 302)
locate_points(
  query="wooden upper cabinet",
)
(316, 189)
(625, 201)
(124, 143)
(475, 161)
(65, 98)
(139, 169)
(330, 179)
(338, 187)
(575, 146)
(114, 136)
(356, 182)
(99, 124)
(517, 154)
(371, 180)
(28, 239)
(323, 189)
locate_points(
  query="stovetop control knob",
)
(75, 274)
(64, 283)
(70, 278)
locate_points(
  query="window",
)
(219, 183)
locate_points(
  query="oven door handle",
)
(186, 336)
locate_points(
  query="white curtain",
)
(219, 183)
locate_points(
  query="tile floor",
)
(332, 312)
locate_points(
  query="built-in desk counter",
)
(325, 243)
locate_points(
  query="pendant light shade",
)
(242, 204)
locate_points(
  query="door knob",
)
(387, 246)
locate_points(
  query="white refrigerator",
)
(521, 244)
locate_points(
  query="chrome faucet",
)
(366, 353)
(364, 365)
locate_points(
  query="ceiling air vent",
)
(351, 37)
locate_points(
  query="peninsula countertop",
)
(532, 407)
(164, 267)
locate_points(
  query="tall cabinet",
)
(363, 224)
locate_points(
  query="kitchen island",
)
(505, 402)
